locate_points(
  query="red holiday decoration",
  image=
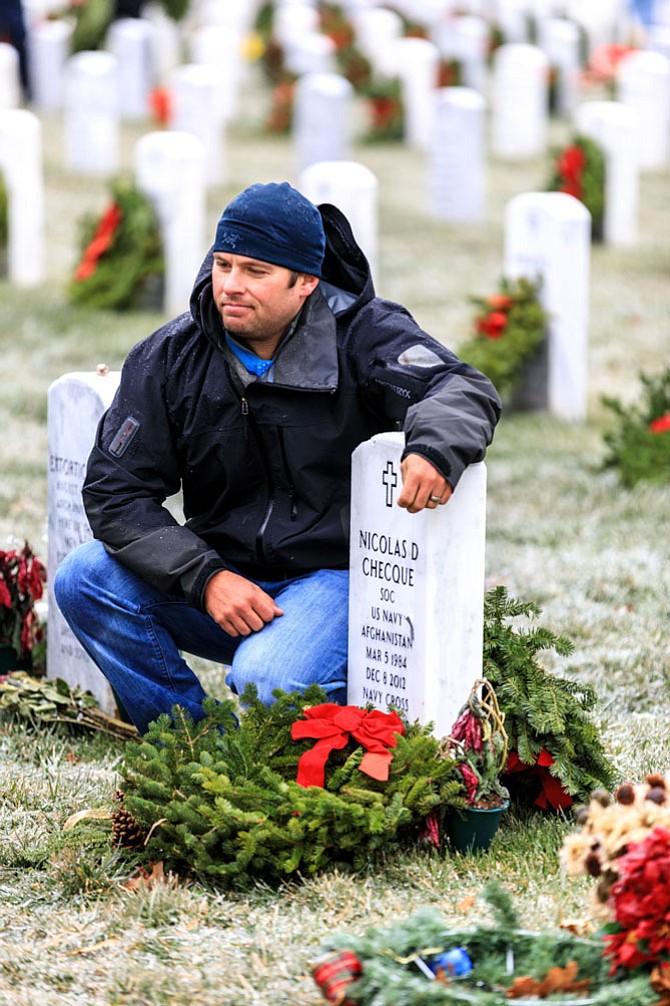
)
(334, 974)
(660, 425)
(333, 726)
(100, 242)
(552, 793)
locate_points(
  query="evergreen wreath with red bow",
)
(639, 444)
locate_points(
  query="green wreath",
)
(579, 170)
(508, 330)
(639, 445)
(121, 252)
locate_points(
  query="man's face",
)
(257, 300)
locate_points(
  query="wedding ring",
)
(435, 499)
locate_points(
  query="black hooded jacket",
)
(265, 469)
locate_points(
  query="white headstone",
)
(91, 113)
(416, 62)
(470, 48)
(559, 39)
(310, 53)
(353, 188)
(170, 171)
(519, 101)
(219, 47)
(548, 237)
(196, 109)
(457, 155)
(166, 41)
(511, 16)
(658, 39)
(291, 21)
(129, 39)
(10, 81)
(322, 118)
(21, 167)
(612, 125)
(643, 85)
(50, 47)
(75, 404)
(416, 602)
(375, 28)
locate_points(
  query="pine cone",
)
(126, 831)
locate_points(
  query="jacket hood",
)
(344, 265)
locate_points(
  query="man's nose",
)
(233, 280)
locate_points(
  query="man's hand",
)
(422, 485)
(239, 606)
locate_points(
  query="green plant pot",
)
(472, 829)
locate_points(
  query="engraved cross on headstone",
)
(390, 480)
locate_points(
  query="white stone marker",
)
(166, 41)
(170, 170)
(21, 167)
(219, 46)
(643, 80)
(548, 237)
(353, 188)
(50, 47)
(310, 53)
(559, 39)
(470, 47)
(198, 110)
(75, 404)
(658, 39)
(416, 603)
(322, 118)
(416, 62)
(519, 101)
(457, 154)
(376, 27)
(10, 81)
(511, 16)
(612, 125)
(91, 113)
(129, 39)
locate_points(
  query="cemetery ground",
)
(561, 532)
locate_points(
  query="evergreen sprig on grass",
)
(542, 710)
(219, 796)
(639, 445)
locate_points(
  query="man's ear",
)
(308, 284)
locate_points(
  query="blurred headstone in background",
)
(21, 168)
(519, 101)
(91, 113)
(322, 118)
(457, 178)
(643, 86)
(50, 48)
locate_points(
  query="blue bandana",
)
(252, 363)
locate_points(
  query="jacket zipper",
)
(251, 424)
(292, 495)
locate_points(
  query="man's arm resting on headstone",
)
(421, 484)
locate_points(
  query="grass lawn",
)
(561, 532)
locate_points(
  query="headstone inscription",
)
(76, 402)
(416, 607)
(548, 237)
(21, 168)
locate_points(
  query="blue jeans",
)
(134, 633)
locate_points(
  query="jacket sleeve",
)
(132, 470)
(447, 409)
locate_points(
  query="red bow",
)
(551, 789)
(332, 725)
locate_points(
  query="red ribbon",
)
(333, 725)
(100, 242)
(551, 792)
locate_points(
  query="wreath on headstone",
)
(639, 445)
(121, 253)
(508, 330)
(579, 170)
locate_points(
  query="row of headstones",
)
(411, 644)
